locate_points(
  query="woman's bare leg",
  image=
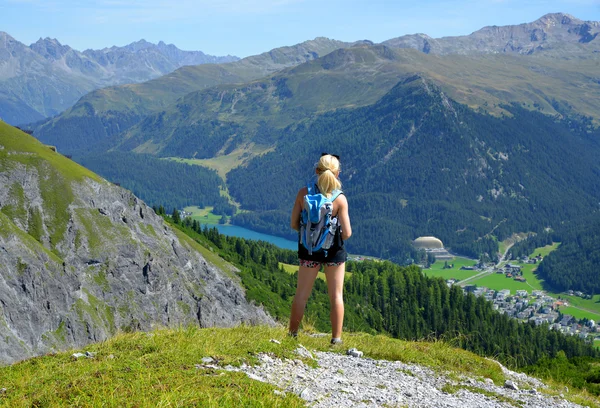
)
(306, 279)
(335, 288)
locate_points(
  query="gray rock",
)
(511, 385)
(303, 352)
(275, 341)
(207, 360)
(98, 275)
(339, 381)
(354, 353)
(306, 394)
(78, 355)
(255, 377)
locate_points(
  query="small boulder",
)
(354, 353)
(511, 385)
(303, 352)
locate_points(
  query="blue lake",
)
(235, 231)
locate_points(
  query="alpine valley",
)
(489, 142)
(470, 139)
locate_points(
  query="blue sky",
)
(247, 27)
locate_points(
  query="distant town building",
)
(434, 246)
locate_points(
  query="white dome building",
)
(428, 243)
(432, 245)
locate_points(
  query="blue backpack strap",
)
(335, 194)
(311, 187)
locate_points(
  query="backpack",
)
(317, 226)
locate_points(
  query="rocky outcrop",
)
(346, 381)
(82, 259)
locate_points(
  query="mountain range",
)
(553, 34)
(47, 77)
(477, 92)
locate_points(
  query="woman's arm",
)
(343, 217)
(295, 219)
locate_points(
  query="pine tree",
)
(176, 217)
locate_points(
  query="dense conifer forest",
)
(159, 182)
(417, 163)
(574, 264)
(382, 297)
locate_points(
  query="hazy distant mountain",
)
(106, 112)
(553, 33)
(47, 77)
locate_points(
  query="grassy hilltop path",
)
(261, 366)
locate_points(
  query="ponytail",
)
(327, 169)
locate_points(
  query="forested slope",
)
(382, 297)
(417, 163)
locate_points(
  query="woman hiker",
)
(334, 259)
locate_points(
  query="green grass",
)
(225, 163)
(591, 307)
(500, 281)
(578, 313)
(150, 369)
(436, 270)
(159, 368)
(545, 250)
(203, 215)
(29, 148)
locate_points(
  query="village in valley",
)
(505, 285)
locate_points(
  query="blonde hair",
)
(328, 168)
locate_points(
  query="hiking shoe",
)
(293, 335)
(335, 342)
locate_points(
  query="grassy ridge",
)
(29, 151)
(159, 369)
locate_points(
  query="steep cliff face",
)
(81, 259)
